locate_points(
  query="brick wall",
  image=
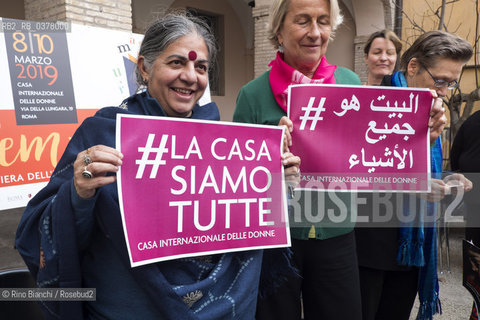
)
(112, 14)
(264, 51)
(45, 10)
(360, 66)
(389, 13)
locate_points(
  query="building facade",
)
(460, 17)
(240, 27)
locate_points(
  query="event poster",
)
(359, 138)
(53, 76)
(41, 94)
(193, 187)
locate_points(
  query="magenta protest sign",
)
(191, 187)
(361, 138)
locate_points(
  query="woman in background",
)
(380, 55)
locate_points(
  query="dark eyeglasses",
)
(443, 83)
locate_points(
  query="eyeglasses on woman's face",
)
(438, 83)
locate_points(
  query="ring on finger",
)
(87, 174)
(87, 160)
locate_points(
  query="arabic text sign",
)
(189, 187)
(361, 138)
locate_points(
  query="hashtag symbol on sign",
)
(306, 116)
(155, 163)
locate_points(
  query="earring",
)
(280, 47)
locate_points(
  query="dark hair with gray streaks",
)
(433, 45)
(168, 29)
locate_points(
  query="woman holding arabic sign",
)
(324, 253)
(397, 263)
(71, 233)
(324, 257)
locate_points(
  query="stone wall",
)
(264, 50)
(115, 14)
(360, 66)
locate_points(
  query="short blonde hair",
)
(279, 10)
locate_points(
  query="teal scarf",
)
(418, 245)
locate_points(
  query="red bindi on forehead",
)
(192, 55)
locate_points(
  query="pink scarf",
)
(282, 75)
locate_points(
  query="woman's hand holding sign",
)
(287, 140)
(91, 168)
(438, 120)
(291, 163)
